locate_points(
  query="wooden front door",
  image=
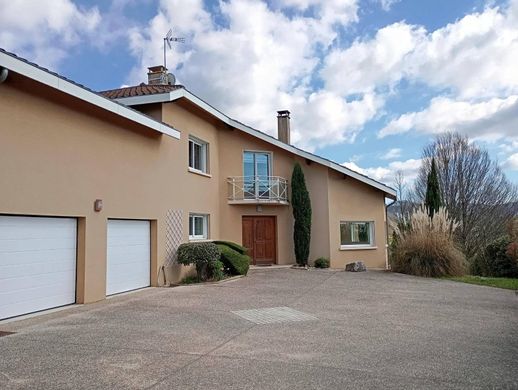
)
(259, 236)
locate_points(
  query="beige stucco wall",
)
(233, 144)
(58, 154)
(351, 200)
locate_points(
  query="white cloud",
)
(386, 5)
(259, 62)
(44, 32)
(387, 174)
(367, 65)
(474, 57)
(510, 145)
(328, 11)
(494, 118)
(392, 154)
(512, 162)
(266, 56)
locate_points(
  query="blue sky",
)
(368, 82)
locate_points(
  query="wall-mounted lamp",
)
(98, 205)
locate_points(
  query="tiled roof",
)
(139, 90)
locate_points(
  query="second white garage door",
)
(129, 255)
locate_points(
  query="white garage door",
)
(37, 264)
(129, 255)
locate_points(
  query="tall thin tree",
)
(432, 199)
(301, 205)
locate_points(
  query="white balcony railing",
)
(257, 189)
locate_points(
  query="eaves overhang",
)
(32, 71)
(184, 93)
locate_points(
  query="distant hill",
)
(395, 208)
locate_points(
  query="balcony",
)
(270, 190)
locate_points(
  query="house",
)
(98, 190)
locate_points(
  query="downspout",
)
(387, 232)
(3, 74)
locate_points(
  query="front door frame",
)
(274, 217)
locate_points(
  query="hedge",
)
(202, 254)
(238, 248)
(237, 263)
(496, 260)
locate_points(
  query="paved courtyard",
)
(319, 330)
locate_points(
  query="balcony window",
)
(256, 173)
(198, 226)
(198, 155)
(356, 234)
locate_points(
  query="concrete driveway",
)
(366, 330)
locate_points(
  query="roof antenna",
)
(167, 41)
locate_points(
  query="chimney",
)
(157, 75)
(283, 126)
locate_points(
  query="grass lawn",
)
(508, 283)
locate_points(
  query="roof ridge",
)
(291, 145)
(139, 90)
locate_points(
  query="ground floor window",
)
(356, 233)
(198, 226)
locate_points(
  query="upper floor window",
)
(198, 155)
(356, 234)
(256, 172)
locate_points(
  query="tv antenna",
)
(167, 41)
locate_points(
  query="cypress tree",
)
(301, 214)
(433, 194)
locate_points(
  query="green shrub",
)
(427, 248)
(322, 262)
(202, 254)
(217, 270)
(498, 259)
(238, 248)
(190, 280)
(237, 263)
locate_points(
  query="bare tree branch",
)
(474, 189)
(401, 190)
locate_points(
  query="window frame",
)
(205, 221)
(204, 155)
(253, 178)
(372, 230)
(254, 152)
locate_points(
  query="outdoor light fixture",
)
(98, 205)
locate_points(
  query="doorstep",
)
(273, 266)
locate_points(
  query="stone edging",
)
(232, 278)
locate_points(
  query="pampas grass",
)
(425, 246)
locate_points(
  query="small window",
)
(198, 155)
(198, 227)
(356, 233)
